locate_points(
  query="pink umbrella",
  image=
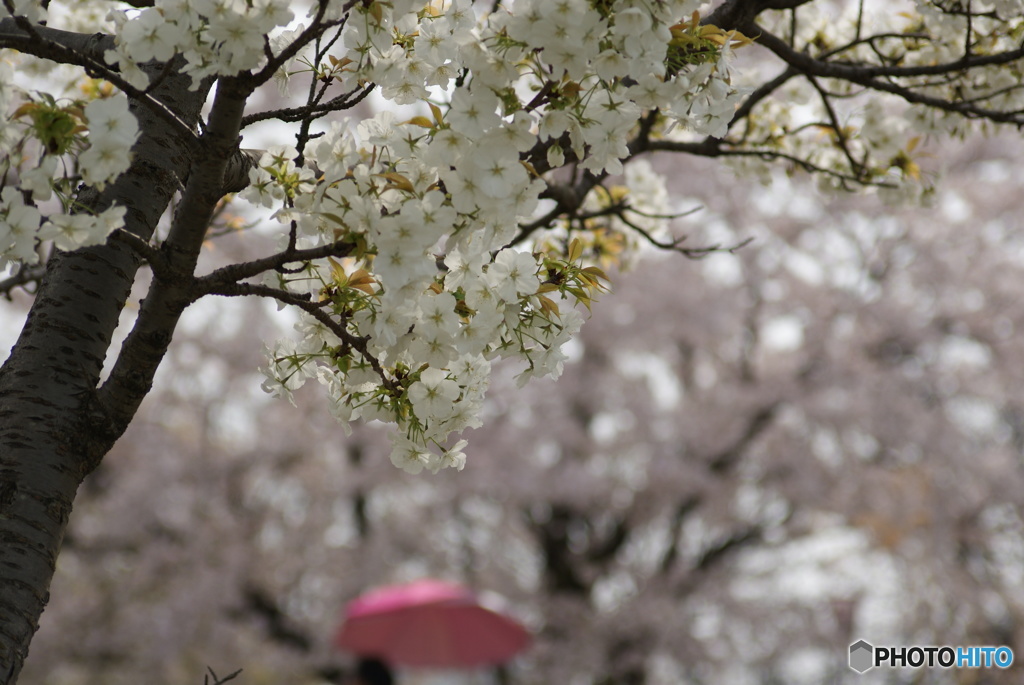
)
(429, 623)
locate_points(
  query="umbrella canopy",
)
(430, 623)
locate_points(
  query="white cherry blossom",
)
(438, 274)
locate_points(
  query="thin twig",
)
(216, 680)
(872, 76)
(314, 309)
(237, 272)
(25, 275)
(291, 114)
(35, 43)
(676, 245)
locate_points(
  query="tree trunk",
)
(53, 428)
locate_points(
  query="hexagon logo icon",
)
(861, 656)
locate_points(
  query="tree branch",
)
(66, 47)
(676, 245)
(171, 291)
(149, 253)
(851, 72)
(218, 680)
(237, 272)
(25, 275)
(717, 551)
(769, 155)
(837, 126)
(732, 14)
(42, 41)
(341, 102)
(756, 425)
(316, 29)
(314, 309)
(872, 76)
(760, 93)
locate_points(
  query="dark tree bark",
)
(55, 421)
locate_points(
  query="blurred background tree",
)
(751, 461)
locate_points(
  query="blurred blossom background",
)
(751, 461)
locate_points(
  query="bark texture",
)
(53, 429)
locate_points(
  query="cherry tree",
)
(749, 463)
(414, 250)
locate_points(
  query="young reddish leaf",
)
(376, 11)
(364, 287)
(593, 273)
(548, 305)
(362, 280)
(26, 108)
(398, 181)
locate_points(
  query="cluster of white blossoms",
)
(112, 133)
(862, 136)
(215, 37)
(431, 323)
(105, 154)
(435, 282)
(431, 205)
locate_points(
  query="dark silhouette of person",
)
(373, 671)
